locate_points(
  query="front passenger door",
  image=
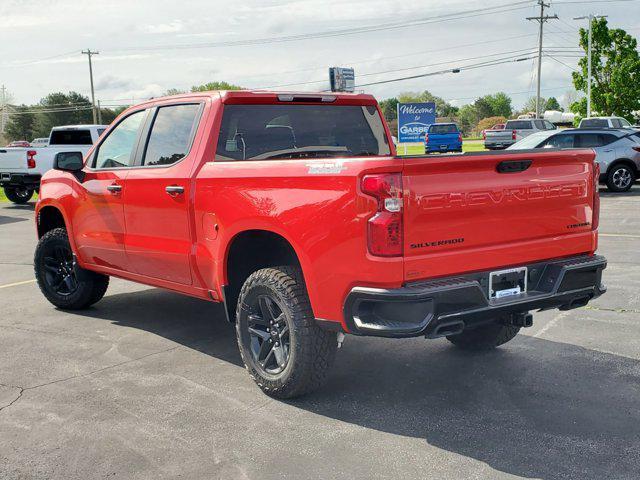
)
(98, 222)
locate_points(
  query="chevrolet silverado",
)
(293, 210)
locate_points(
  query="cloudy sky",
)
(148, 46)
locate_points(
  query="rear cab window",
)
(443, 129)
(274, 131)
(71, 137)
(519, 125)
(594, 123)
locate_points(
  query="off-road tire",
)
(613, 183)
(91, 286)
(484, 337)
(14, 195)
(311, 350)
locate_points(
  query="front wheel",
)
(620, 178)
(61, 280)
(18, 195)
(484, 337)
(281, 345)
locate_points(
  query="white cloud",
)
(172, 27)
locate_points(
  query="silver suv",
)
(617, 151)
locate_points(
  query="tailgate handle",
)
(513, 166)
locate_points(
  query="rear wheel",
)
(620, 178)
(19, 195)
(484, 337)
(281, 345)
(60, 279)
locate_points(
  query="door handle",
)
(174, 189)
(513, 166)
(114, 188)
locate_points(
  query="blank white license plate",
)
(507, 283)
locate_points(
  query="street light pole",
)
(591, 18)
(89, 53)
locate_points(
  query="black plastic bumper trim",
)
(438, 307)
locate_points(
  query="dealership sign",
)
(342, 79)
(414, 120)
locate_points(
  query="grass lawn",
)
(3, 197)
(473, 147)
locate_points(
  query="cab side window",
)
(171, 134)
(119, 148)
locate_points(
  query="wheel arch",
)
(49, 217)
(625, 161)
(251, 250)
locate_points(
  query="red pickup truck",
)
(294, 211)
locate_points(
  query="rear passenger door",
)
(158, 231)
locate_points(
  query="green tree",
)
(500, 104)
(443, 108)
(62, 109)
(553, 104)
(615, 70)
(215, 86)
(530, 105)
(389, 108)
(21, 124)
(174, 91)
(468, 118)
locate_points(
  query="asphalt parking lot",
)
(149, 384)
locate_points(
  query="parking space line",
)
(17, 283)
(622, 235)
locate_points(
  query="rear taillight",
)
(426, 139)
(31, 159)
(484, 134)
(460, 137)
(384, 229)
(595, 220)
(514, 135)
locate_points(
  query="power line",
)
(450, 70)
(347, 31)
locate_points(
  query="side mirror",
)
(68, 161)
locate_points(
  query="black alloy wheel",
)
(59, 271)
(269, 335)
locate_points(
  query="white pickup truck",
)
(22, 167)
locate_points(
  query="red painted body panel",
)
(182, 242)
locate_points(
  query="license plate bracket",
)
(507, 283)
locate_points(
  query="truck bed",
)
(462, 214)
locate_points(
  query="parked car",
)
(617, 151)
(514, 131)
(40, 142)
(19, 144)
(21, 168)
(604, 122)
(443, 138)
(294, 212)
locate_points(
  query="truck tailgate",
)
(13, 159)
(462, 214)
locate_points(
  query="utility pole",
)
(3, 97)
(89, 54)
(591, 17)
(541, 19)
